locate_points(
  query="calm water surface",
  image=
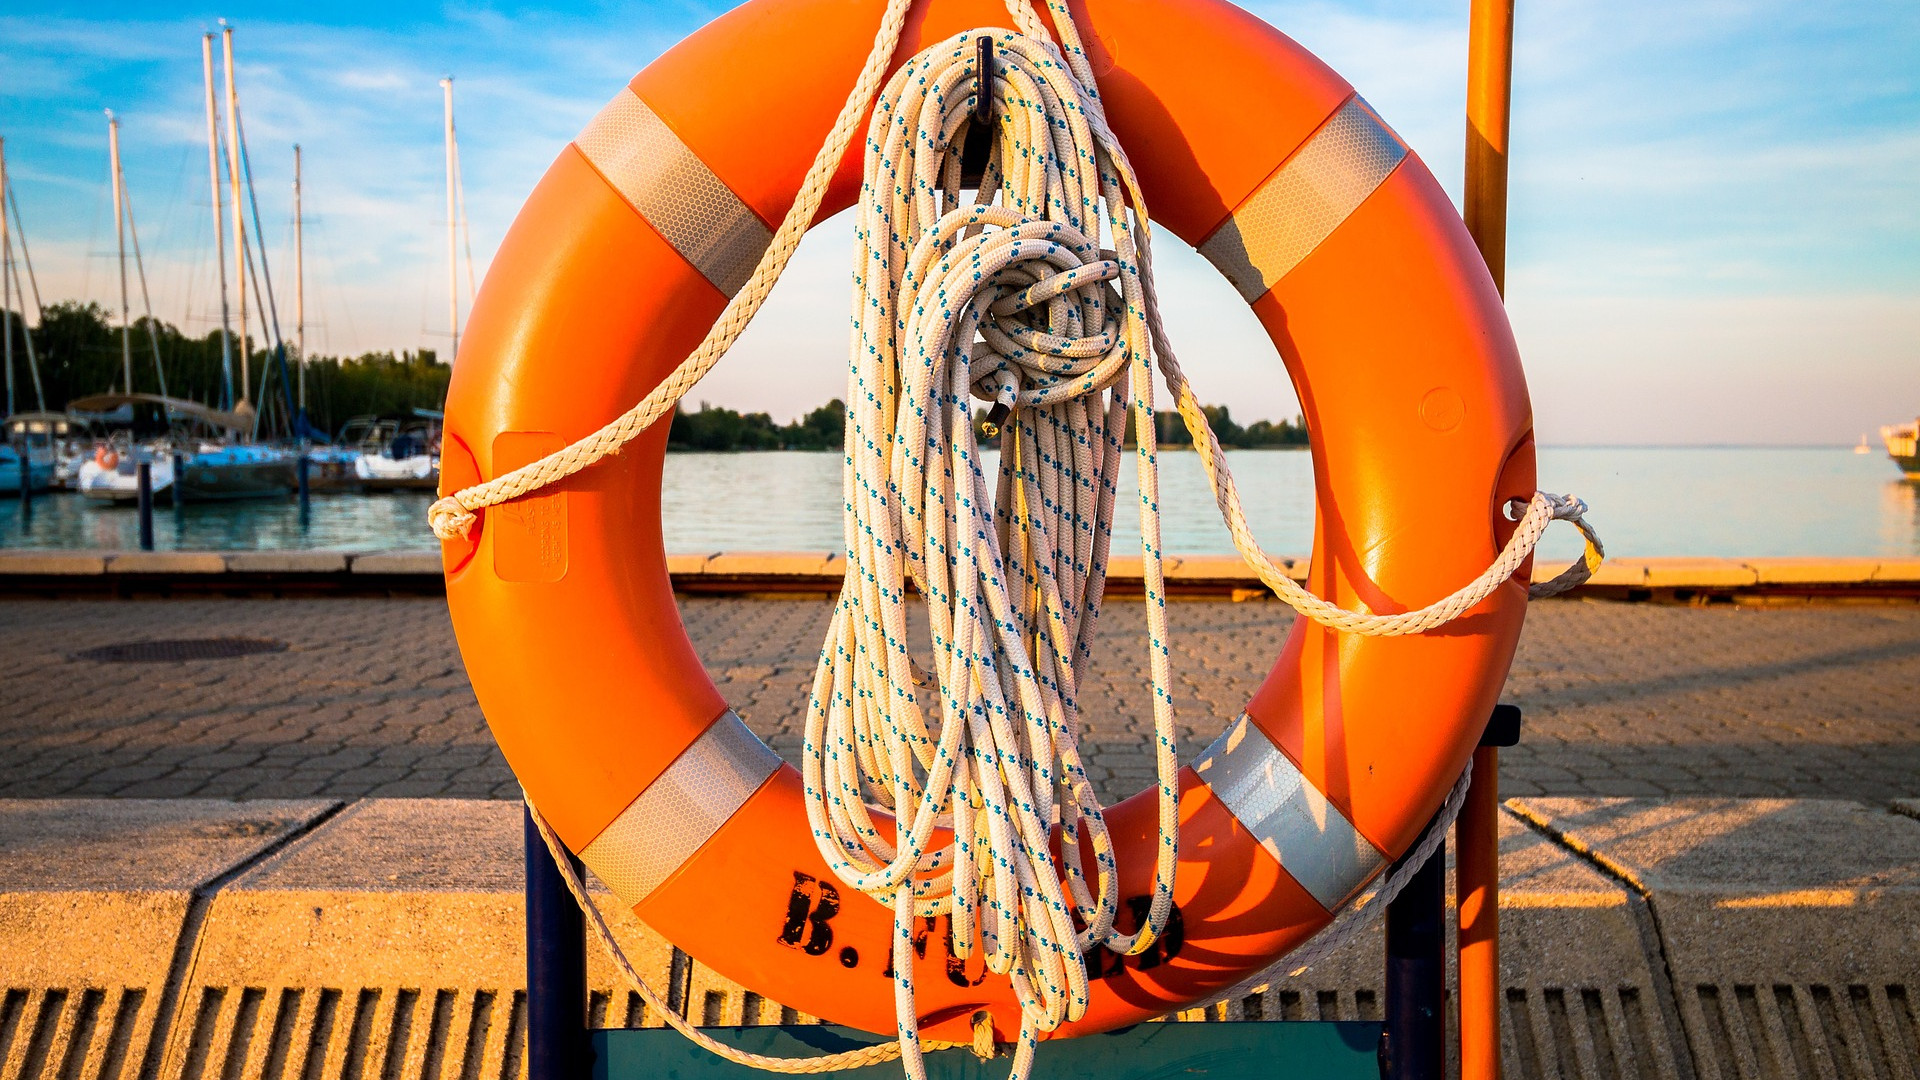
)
(1646, 501)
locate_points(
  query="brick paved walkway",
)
(370, 699)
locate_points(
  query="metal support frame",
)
(1413, 1046)
(1411, 1040)
(557, 1047)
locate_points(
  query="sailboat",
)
(28, 457)
(207, 455)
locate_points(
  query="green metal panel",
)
(1251, 1050)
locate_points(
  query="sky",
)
(1715, 206)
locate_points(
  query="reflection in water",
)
(1646, 501)
(1900, 517)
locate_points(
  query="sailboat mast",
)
(8, 198)
(219, 223)
(299, 286)
(239, 223)
(453, 264)
(120, 230)
(6, 278)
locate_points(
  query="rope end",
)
(983, 1035)
(450, 520)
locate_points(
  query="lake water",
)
(1646, 501)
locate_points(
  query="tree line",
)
(79, 355)
(715, 428)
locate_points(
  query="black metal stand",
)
(1413, 1046)
(557, 1047)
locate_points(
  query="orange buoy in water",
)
(1246, 147)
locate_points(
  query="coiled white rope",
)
(1016, 300)
(1038, 298)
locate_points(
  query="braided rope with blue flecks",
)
(1014, 299)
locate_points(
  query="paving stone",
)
(1621, 699)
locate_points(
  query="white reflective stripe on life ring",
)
(1292, 819)
(690, 207)
(681, 810)
(1305, 199)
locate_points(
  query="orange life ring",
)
(1247, 147)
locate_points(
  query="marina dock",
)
(304, 861)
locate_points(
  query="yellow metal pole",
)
(1477, 868)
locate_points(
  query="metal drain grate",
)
(169, 652)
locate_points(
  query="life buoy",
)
(1248, 148)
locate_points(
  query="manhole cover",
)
(165, 652)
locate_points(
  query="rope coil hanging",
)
(1039, 299)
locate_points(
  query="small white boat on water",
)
(113, 473)
(380, 473)
(395, 456)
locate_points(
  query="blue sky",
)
(1715, 225)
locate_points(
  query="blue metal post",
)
(26, 484)
(1415, 1038)
(144, 472)
(556, 967)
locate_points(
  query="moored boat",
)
(112, 473)
(206, 465)
(219, 472)
(35, 441)
(1903, 446)
(399, 457)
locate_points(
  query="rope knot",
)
(1565, 507)
(449, 519)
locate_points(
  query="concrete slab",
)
(287, 562)
(1897, 570)
(54, 562)
(1813, 571)
(398, 562)
(1791, 927)
(1697, 573)
(96, 896)
(1611, 572)
(167, 562)
(768, 564)
(688, 564)
(1580, 985)
(1209, 568)
(394, 933)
